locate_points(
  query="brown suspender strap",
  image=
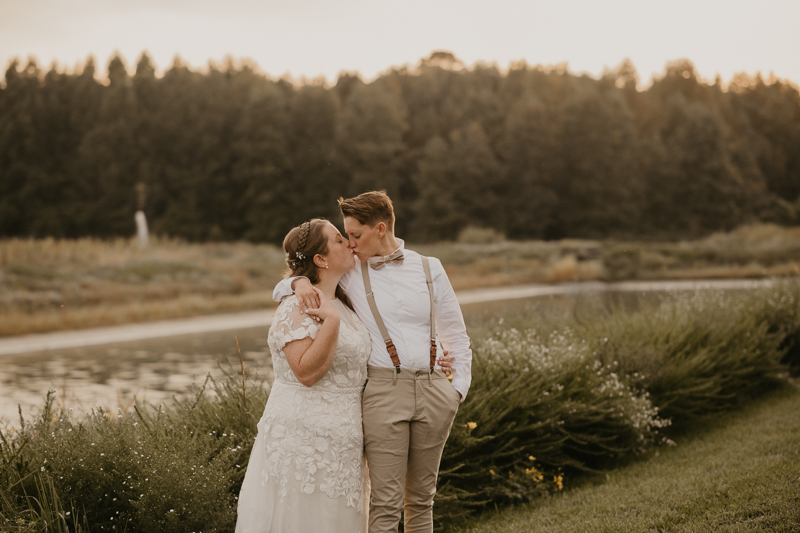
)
(427, 268)
(379, 321)
(377, 316)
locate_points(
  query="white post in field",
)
(141, 228)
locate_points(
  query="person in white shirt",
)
(408, 404)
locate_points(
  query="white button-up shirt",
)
(401, 294)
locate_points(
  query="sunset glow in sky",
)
(314, 38)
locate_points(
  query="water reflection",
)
(113, 375)
(155, 370)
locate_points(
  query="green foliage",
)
(581, 393)
(41, 510)
(548, 405)
(700, 354)
(533, 153)
(149, 270)
(171, 469)
(457, 184)
(738, 472)
(541, 406)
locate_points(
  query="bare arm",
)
(310, 359)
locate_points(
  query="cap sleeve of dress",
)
(290, 325)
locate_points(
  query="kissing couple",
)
(361, 406)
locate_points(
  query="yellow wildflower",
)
(532, 458)
(559, 482)
(535, 474)
(511, 474)
(472, 425)
(492, 472)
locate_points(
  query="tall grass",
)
(700, 354)
(170, 468)
(49, 284)
(757, 250)
(550, 401)
(581, 393)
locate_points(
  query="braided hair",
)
(295, 260)
(300, 246)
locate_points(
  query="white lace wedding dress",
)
(306, 471)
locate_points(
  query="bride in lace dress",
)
(306, 469)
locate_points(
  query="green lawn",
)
(737, 472)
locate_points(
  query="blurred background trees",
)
(533, 153)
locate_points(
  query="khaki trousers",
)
(406, 423)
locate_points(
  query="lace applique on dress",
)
(289, 325)
(313, 435)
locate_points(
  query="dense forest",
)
(534, 152)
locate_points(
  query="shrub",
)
(478, 235)
(583, 391)
(539, 407)
(577, 393)
(700, 353)
(168, 469)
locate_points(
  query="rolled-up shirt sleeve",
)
(284, 288)
(450, 328)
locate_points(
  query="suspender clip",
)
(391, 349)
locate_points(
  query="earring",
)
(326, 265)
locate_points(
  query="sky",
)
(321, 38)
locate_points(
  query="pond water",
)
(155, 370)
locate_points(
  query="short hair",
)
(369, 208)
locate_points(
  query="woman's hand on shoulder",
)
(325, 311)
(307, 295)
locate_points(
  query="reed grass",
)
(582, 393)
(183, 306)
(552, 401)
(159, 468)
(48, 285)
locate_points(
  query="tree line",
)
(533, 152)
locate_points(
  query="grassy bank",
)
(581, 394)
(52, 285)
(553, 401)
(740, 471)
(48, 285)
